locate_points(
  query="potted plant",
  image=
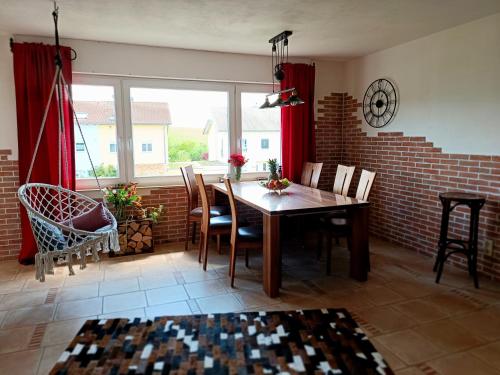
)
(135, 222)
(237, 161)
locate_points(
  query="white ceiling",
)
(321, 28)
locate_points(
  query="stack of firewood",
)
(135, 236)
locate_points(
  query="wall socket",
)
(488, 248)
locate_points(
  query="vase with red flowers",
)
(237, 161)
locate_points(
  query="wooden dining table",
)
(301, 200)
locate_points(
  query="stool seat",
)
(462, 197)
(450, 200)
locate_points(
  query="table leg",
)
(271, 255)
(359, 244)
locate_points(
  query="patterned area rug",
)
(303, 341)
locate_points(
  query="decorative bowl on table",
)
(275, 185)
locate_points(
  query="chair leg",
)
(246, 259)
(218, 244)
(205, 251)
(232, 266)
(200, 246)
(328, 254)
(193, 238)
(188, 224)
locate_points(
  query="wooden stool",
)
(451, 200)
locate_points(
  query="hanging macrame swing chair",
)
(52, 209)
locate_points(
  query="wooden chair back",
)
(205, 203)
(307, 170)
(365, 184)
(316, 173)
(191, 186)
(343, 179)
(234, 211)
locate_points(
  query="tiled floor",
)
(420, 327)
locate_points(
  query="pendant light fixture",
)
(279, 56)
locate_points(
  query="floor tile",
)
(462, 363)
(385, 319)
(421, 310)
(128, 314)
(449, 336)
(219, 304)
(20, 363)
(205, 288)
(76, 292)
(156, 281)
(63, 331)
(109, 287)
(11, 286)
(251, 299)
(394, 362)
(23, 299)
(485, 323)
(50, 355)
(489, 354)
(411, 347)
(15, 339)
(168, 294)
(125, 301)
(199, 275)
(29, 316)
(452, 303)
(78, 309)
(168, 309)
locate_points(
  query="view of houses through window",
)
(166, 128)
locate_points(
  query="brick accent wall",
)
(411, 172)
(10, 225)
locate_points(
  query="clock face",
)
(379, 103)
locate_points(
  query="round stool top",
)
(462, 196)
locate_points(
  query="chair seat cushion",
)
(250, 233)
(214, 211)
(220, 221)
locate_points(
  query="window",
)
(147, 147)
(95, 112)
(261, 130)
(186, 126)
(162, 125)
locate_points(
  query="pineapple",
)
(273, 169)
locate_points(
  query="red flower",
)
(237, 160)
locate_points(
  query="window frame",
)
(124, 130)
(97, 80)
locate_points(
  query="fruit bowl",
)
(275, 185)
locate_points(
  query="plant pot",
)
(135, 237)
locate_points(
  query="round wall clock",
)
(379, 103)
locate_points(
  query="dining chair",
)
(310, 174)
(242, 237)
(210, 225)
(194, 212)
(343, 178)
(339, 226)
(316, 173)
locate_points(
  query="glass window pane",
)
(260, 133)
(95, 111)
(172, 128)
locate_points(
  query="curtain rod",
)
(74, 55)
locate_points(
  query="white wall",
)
(8, 125)
(449, 86)
(144, 61)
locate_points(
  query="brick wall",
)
(411, 172)
(10, 226)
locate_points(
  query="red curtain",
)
(34, 70)
(297, 122)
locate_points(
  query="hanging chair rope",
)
(50, 208)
